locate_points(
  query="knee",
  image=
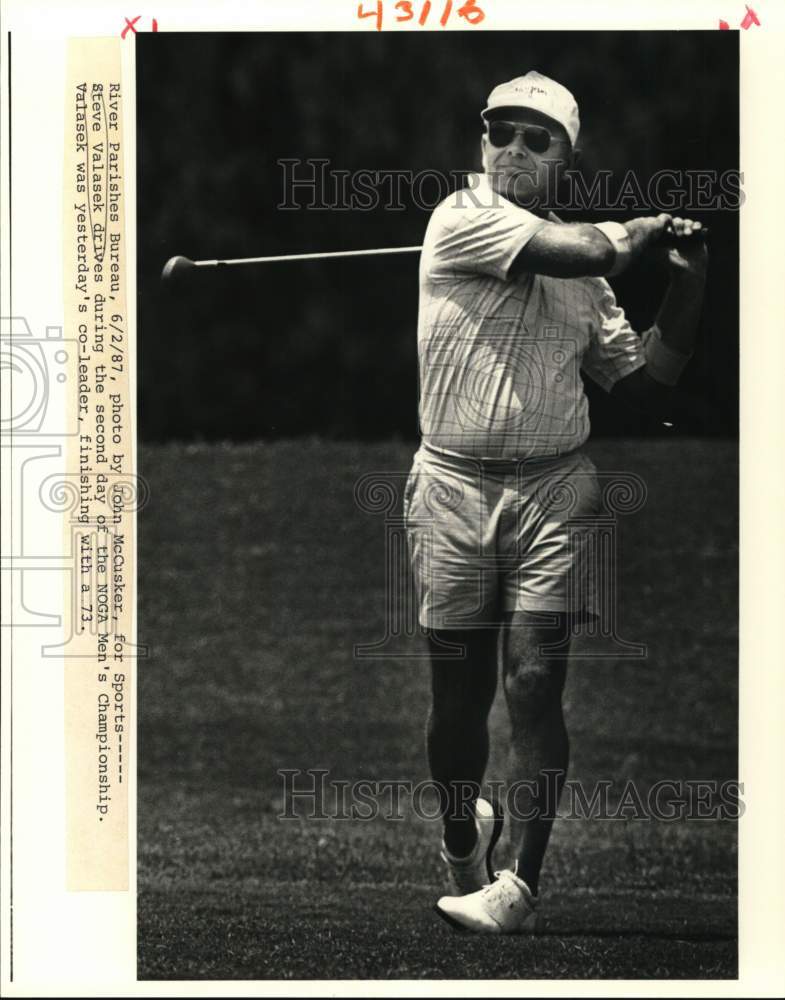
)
(459, 709)
(463, 691)
(533, 686)
(461, 706)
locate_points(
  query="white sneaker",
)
(465, 875)
(506, 906)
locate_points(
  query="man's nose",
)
(518, 147)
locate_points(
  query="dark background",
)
(329, 348)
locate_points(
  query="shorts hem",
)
(582, 616)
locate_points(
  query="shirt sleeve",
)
(615, 349)
(476, 238)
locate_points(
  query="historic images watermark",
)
(313, 184)
(312, 795)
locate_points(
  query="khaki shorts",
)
(488, 537)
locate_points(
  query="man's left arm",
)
(669, 343)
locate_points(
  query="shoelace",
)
(504, 887)
(498, 875)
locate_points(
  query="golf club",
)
(177, 266)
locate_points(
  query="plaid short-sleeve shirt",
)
(500, 357)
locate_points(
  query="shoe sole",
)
(463, 929)
(498, 826)
(496, 832)
(450, 920)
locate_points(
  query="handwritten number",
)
(405, 12)
(471, 12)
(372, 13)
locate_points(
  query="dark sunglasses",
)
(535, 137)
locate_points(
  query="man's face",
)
(515, 170)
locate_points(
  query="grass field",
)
(258, 574)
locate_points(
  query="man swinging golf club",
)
(513, 304)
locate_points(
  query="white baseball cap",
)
(541, 94)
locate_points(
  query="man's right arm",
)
(578, 250)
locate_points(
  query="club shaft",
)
(382, 251)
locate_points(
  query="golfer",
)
(513, 306)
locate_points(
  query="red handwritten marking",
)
(130, 24)
(469, 12)
(750, 18)
(376, 13)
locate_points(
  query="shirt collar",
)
(483, 186)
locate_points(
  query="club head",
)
(176, 267)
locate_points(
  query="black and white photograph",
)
(391, 413)
(438, 395)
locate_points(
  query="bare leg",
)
(457, 736)
(539, 748)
